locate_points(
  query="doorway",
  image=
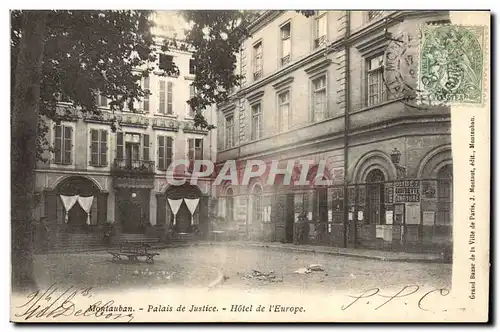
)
(131, 154)
(77, 218)
(183, 219)
(375, 193)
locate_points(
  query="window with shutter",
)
(103, 146)
(168, 151)
(145, 150)
(161, 152)
(94, 147)
(162, 97)
(98, 147)
(58, 144)
(165, 144)
(68, 133)
(169, 98)
(63, 136)
(119, 146)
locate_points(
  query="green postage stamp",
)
(452, 64)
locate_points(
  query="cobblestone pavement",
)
(198, 266)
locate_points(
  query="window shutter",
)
(161, 152)
(161, 97)
(119, 145)
(58, 144)
(145, 150)
(103, 161)
(169, 144)
(68, 133)
(169, 98)
(94, 146)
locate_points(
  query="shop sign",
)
(407, 191)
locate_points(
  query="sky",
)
(169, 23)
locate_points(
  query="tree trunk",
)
(24, 123)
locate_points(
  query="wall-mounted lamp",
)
(395, 158)
(134, 195)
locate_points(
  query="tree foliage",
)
(97, 51)
(87, 53)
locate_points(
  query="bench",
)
(133, 251)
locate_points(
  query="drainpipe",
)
(346, 133)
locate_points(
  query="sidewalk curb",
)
(327, 252)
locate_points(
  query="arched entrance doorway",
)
(375, 195)
(185, 202)
(77, 200)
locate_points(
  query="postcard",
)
(250, 166)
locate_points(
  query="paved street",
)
(198, 266)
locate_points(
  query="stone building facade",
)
(315, 89)
(98, 176)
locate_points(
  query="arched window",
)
(375, 195)
(445, 195)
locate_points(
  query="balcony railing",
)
(285, 59)
(133, 166)
(257, 74)
(320, 41)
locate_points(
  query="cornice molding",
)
(375, 42)
(318, 67)
(283, 83)
(228, 108)
(255, 96)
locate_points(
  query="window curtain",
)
(86, 204)
(192, 204)
(68, 202)
(175, 204)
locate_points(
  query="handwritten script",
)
(54, 302)
(410, 293)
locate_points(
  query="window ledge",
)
(170, 116)
(98, 166)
